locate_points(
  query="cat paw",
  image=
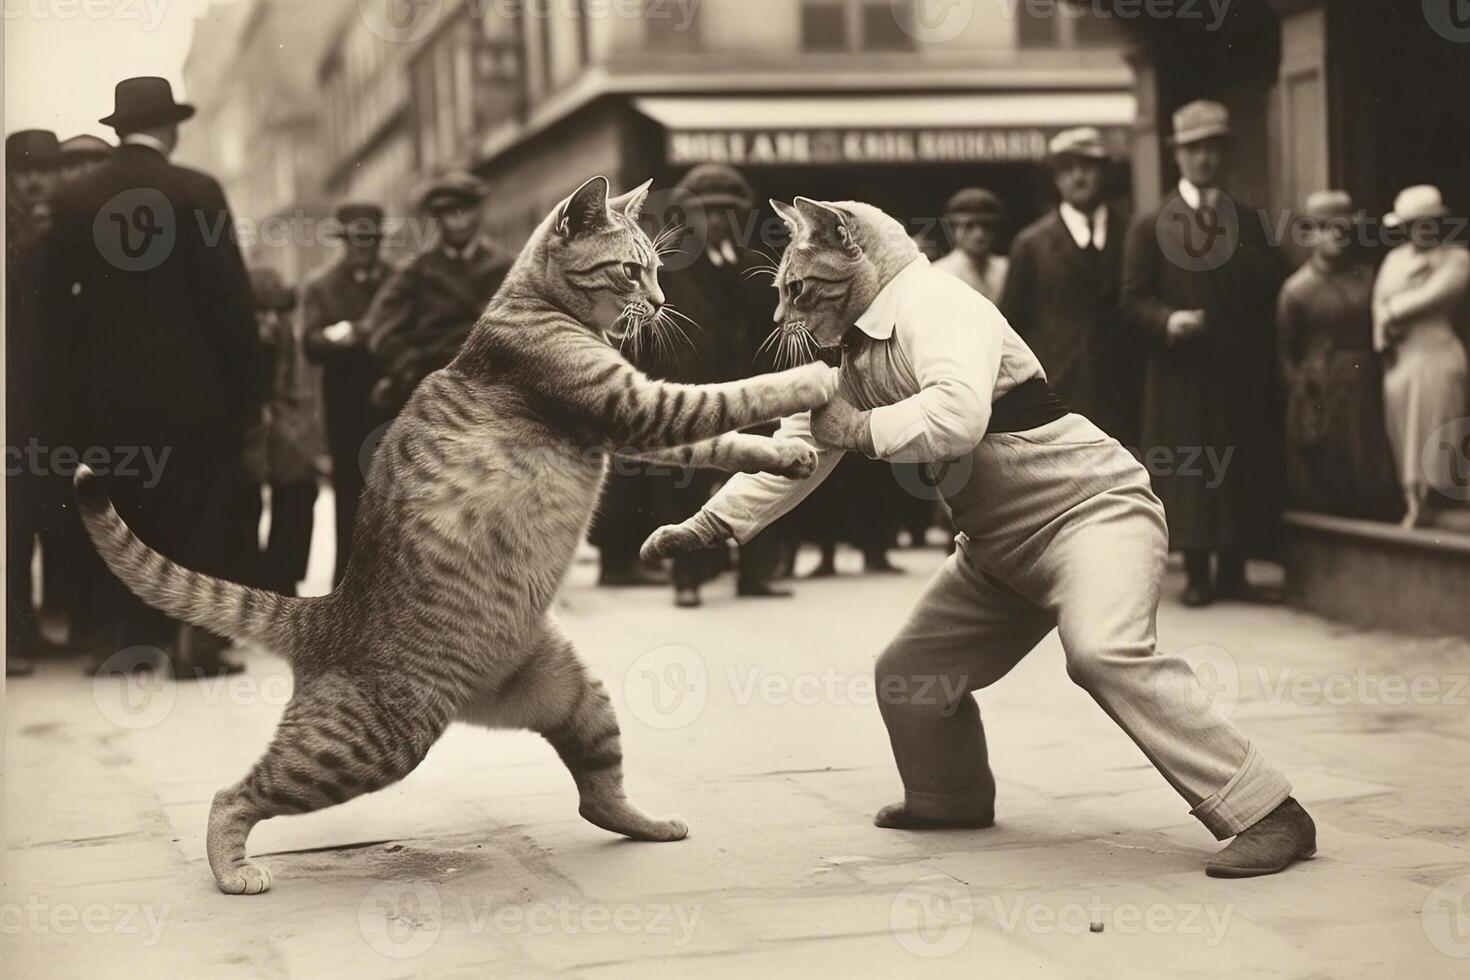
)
(814, 384)
(246, 879)
(667, 541)
(625, 819)
(795, 459)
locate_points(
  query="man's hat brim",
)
(1200, 135)
(162, 116)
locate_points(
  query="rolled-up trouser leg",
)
(1103, 573)
(965, 632)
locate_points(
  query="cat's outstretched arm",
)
(740, 453)
(634, 412)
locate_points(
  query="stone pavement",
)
(756, 722)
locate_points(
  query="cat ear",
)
(788, 214)
(585, 210)
(631, 203)
(827, 225)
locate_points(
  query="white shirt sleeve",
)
(748, 502)
(953, 340)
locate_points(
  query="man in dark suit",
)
(31, 162)
(334, 305)
(1062, 291)
(148, 293)
(1200, 283)
(425, 310)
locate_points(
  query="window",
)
(1054, 26)
(854, 25)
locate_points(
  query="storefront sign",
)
(826, 147)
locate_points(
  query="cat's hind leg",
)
(551, 693)
(337, 739)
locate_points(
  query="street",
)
(756, 722)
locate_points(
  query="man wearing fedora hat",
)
(146, 288)
(1062, 291)
(31, 160)
(334, 305)
(1200, 282)
(424, 312)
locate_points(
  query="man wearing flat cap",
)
(971, 217)
(1336, 450)
(83, 155)
(334, 305)
(148, 292)
(1200, 281)
(425, 311)
(31, 160)
(1062, 291)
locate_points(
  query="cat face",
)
(839, 258)
(600, 265)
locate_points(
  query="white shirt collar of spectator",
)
(1087, 229)
(143, 139)
(881, 316)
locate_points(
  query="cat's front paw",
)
(794, 459)
(814, 384)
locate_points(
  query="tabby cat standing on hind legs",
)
(478, 496)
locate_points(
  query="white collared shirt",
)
(1087, 230)
(1194, 195)
(939, 356)
(143, 139)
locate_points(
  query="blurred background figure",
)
(1421, 286)
(971, 218)
(159, 329)
(31, 161)
(282, 450)
(715, 280)
(1210, 386)
(334, 305)
(1061, 293)
(425, 310)
(1336, 452)
(83, 155)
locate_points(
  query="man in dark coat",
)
(334, 305)
(1200, 283)
(712, 281)
(425, 311)
(31, 162)
(1062, 291)
(146, 288)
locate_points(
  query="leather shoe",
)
(1198, 595)
(1284, 835)
(761, 590)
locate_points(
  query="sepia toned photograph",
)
(729, 488)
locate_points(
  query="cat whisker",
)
(674, 311)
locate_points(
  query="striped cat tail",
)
(227, 608)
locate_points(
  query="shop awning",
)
(880, 129)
